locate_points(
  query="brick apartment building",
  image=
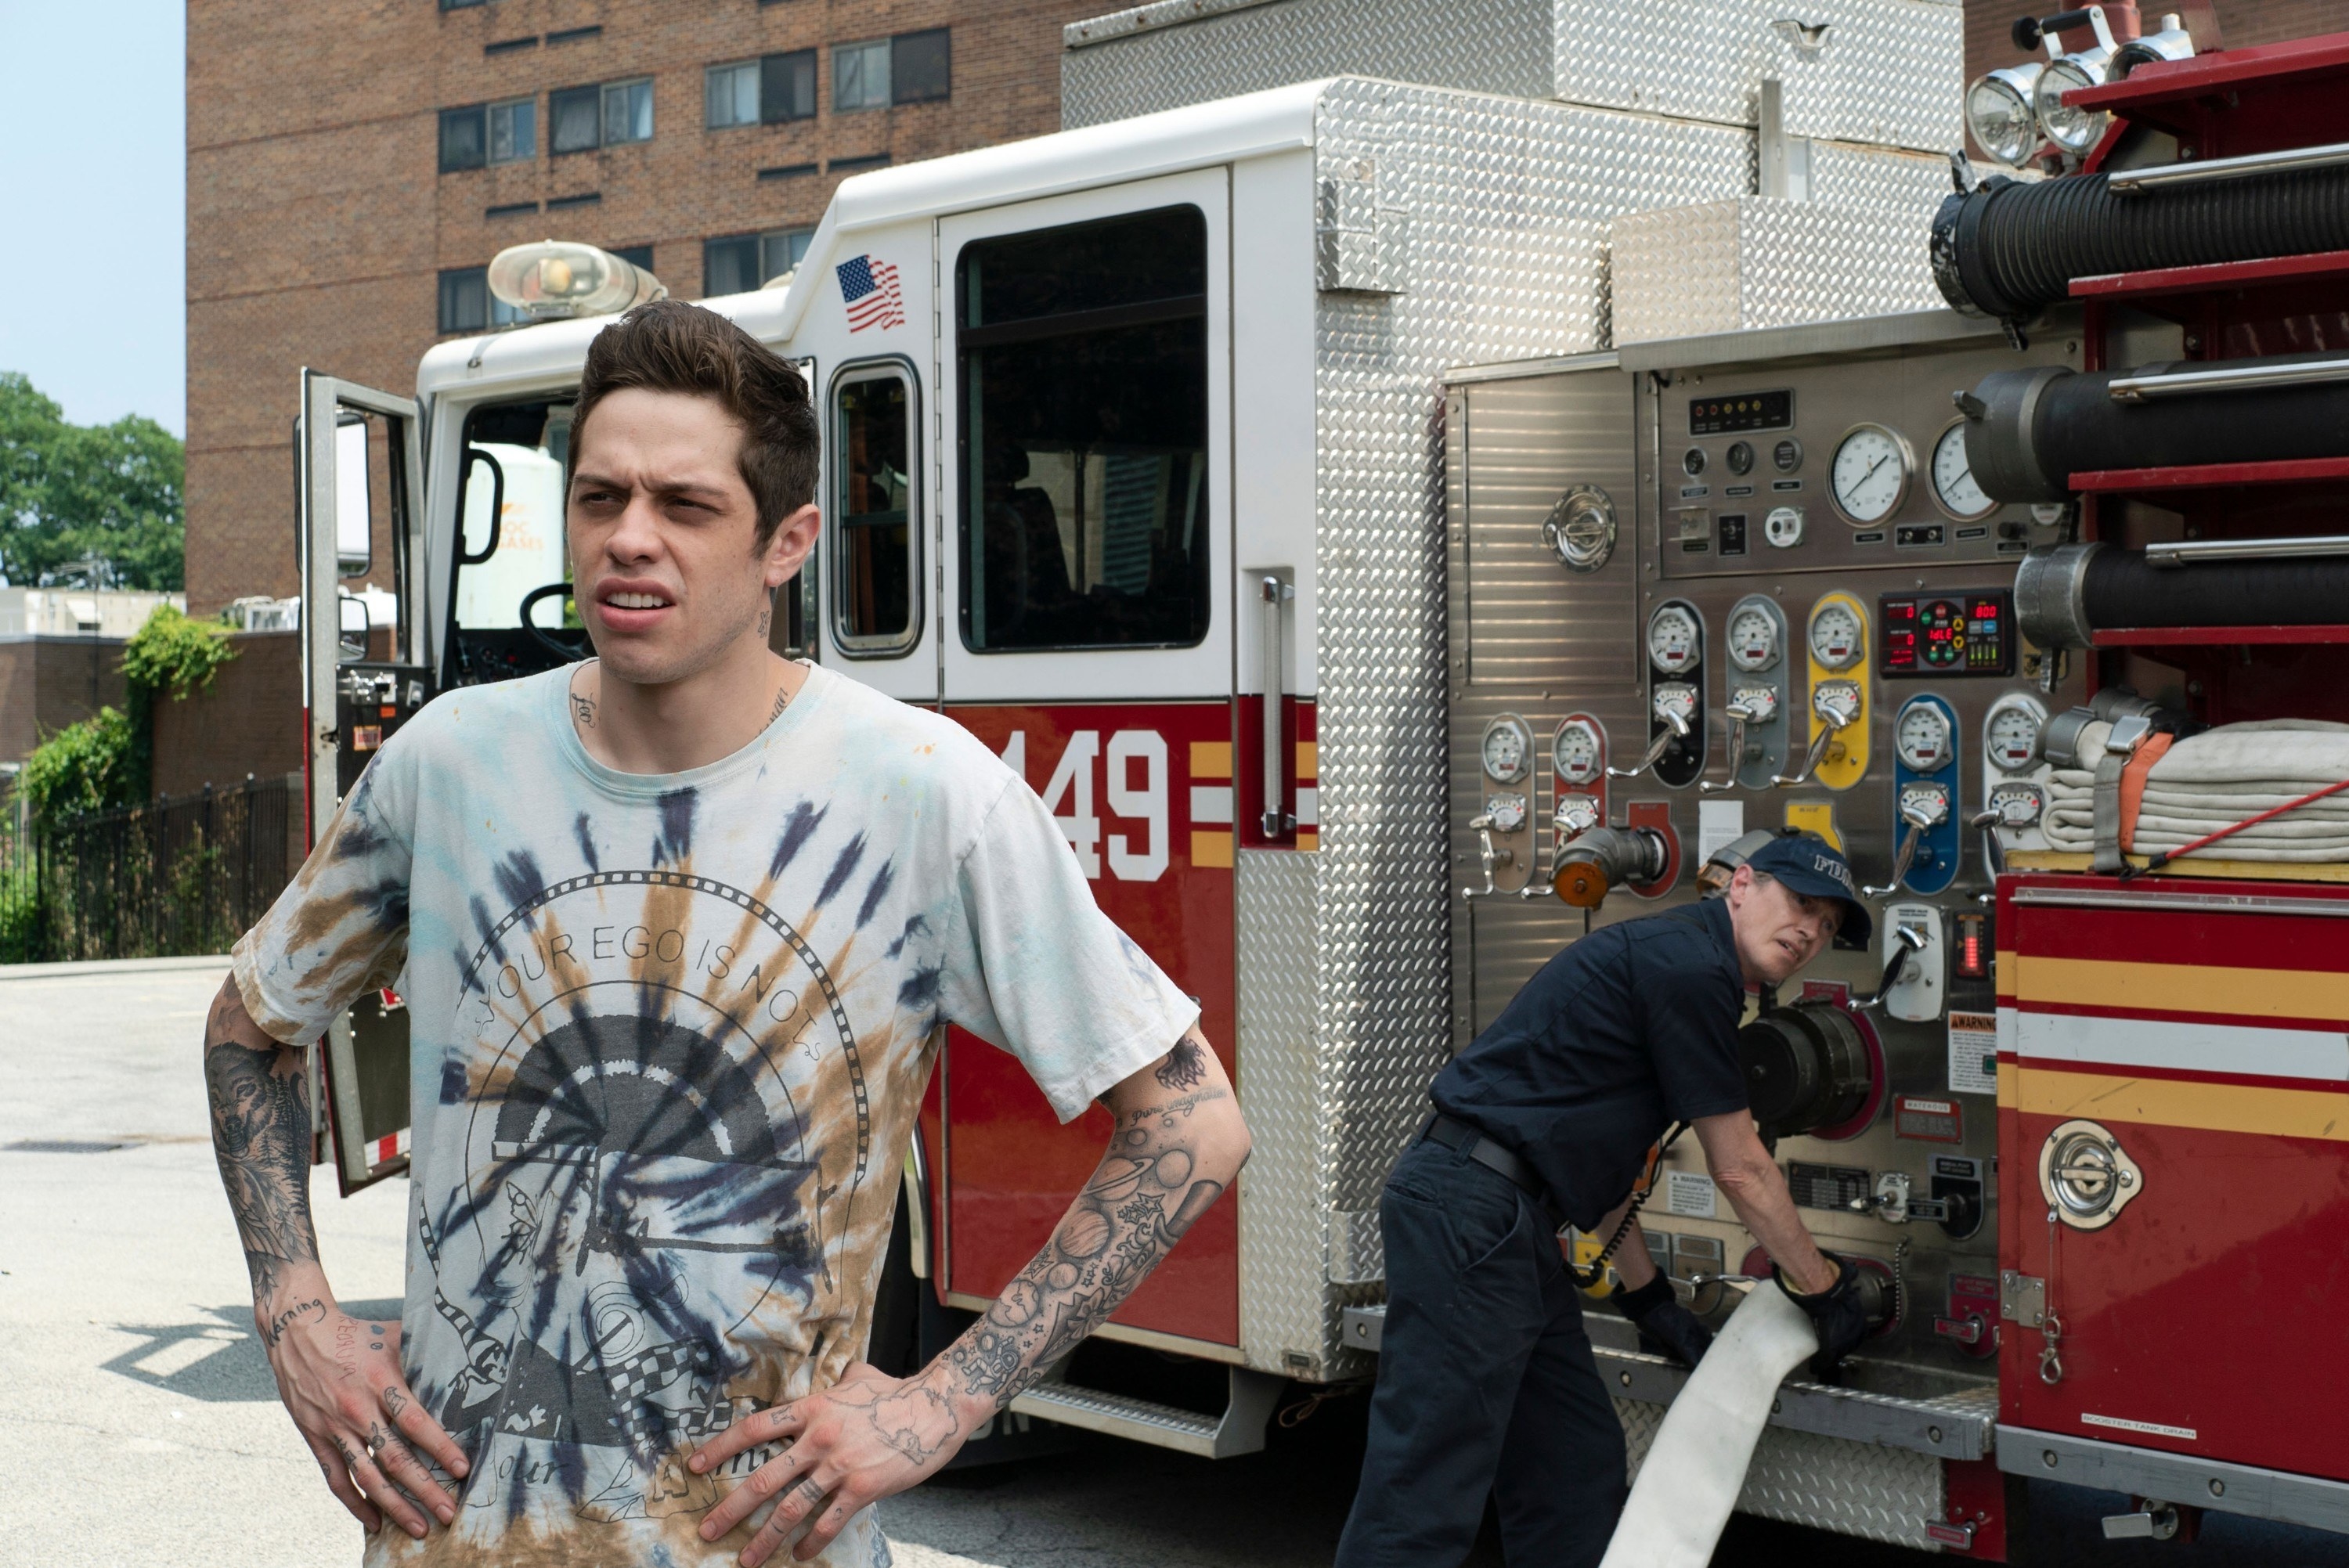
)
(352, 166)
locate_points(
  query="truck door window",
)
(510, 541)
(872, 509)
(1082, 353)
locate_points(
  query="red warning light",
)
(1973, 946)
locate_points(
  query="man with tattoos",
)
(679, 929)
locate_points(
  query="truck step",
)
(1239, 1430)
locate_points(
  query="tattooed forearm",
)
(1148, 1190)
(259, 1097)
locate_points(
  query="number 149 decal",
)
(1069, 796)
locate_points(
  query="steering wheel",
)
(568, 651)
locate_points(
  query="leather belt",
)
(1504, 1162)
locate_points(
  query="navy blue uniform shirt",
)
(1628, 1030)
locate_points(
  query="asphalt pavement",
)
(138, 1422)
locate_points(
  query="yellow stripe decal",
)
(2006, 1086)
(2182, 988)
(1211, 850)
(1306, 839)
(1211, 760)
(2174, 1102)
(1309, 759)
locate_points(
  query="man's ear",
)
(788, 551)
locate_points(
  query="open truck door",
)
(366, 670)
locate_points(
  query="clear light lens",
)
(2170, 43)
(554, 278)
(2075, 131)
(1999, 113)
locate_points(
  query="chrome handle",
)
(2169, 176)
(1676, 728)
(2237, 378)
(1835, 724)
(1277, 819)
(1489, 857)
(2187, 551)
(1906, 940)
(1917, 823)
(1737, 716)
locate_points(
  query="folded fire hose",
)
(2258, 792)
(1690, 1480)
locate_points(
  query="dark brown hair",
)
(669, 346)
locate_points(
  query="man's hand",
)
(338, 1376)
(1177, 1143)
(867, 1437)
(1660, 1318)
(340, 1379)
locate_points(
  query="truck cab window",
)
(872, 509)
(511, 543)
(1083, 358)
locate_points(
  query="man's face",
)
(663, 534)
(1777, 930)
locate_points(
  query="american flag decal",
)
(869, 289)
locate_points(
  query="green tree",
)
(105, 495)
(107, 761)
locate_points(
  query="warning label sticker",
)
(1689, 1193)
(1973, 1053)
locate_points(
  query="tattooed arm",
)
(1178, 1141)
(338, 1376)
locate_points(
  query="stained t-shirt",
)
(666, 1037)
(1628, 1030)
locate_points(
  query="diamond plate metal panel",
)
(1853, 1489)
(1756, 260)
(1481, 46)
(1847, 176)
(1891, 72)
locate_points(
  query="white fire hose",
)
(1695, 1471)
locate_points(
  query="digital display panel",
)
(1947, 634)
(1740, 412)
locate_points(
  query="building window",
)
(459, 5)
(463, 144)
(859, 75)
(786, 86)
(920, 67)
(467, 305)
(731, 95)
(782, 250)
(627, 111)
(737, 263)
(636, 255)
(572, 117)
(513, 131)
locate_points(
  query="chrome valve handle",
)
(1675, 705)
(1838, 705)
(1919, 812)
(1752, 706)
(1489, 856)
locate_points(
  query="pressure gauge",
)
(1505, 812)
(1673, 638)
(1507, 748)
(2012, 736)
(2018, 805)
(1753, 639)
(1867, 478)
(1575, 751)
(1835, 635)
(1740, 457)
(1953, 477)
(1923, 738)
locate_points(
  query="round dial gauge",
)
(1869, 476)
(1787, 456)
(1923, 738)
(1740, 457)
(2014, 737)
(1753, 639)
(1673, 638)
(2017, 805)
(1507, 812)
(1835, 635)
(1573, 751)
(1508, 746)
(1692, 461)
(1953, 477)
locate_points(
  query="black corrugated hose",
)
(2010, 249)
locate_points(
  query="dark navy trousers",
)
(1486, 1385)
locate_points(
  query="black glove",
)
(1666, 1327)
(1836, 1314)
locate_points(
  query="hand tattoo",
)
(1140, 1201)
(274, 1329)
(1182, 1068)
(394, 1402)
(261, 1136)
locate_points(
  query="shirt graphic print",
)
(667, 1039)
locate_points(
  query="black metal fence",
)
(187, 874)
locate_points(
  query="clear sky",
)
(93, 205)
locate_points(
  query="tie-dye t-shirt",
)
(667, 1034)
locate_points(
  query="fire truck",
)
(1408, 484)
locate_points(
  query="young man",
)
(677, 928)
(1486, 1384)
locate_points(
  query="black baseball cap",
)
(1815, 869)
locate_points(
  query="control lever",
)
(1993, 856)
(1750, 705)
(1920, 809)
(1908, 942)
(1675, 705)
(1837, 704)
(1488, 856)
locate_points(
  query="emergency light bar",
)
(554, 279)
